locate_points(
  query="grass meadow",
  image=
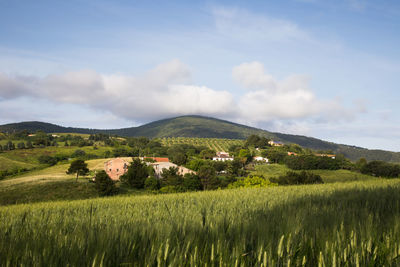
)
(338, 224)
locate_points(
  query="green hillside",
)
(205, 127)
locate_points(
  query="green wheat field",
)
(338, 224)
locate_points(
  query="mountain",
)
(199, 126)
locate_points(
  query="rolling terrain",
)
(205, 127)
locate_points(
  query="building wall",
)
(116, 167)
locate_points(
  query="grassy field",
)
(28, 158)
(216, 144)
(338, 224)
(50, 184)
(328, 176)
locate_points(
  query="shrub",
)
(191, 182)
(136, 174)
(46, 159)
(104, 185)
(78, 153)
(291, 178)
(152, 183)
(172, 189)
(381, 168)
(252, 181)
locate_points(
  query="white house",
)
(261, 159)
(222, 156)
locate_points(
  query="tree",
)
(244, 156)
(21, 145)
(10, 145)
(104, 185)
(171, 177)
(152, 183)
(292, 178)
(208, 177)
(179, 158)
(46, 159)
(191, 182)
(78, 167)
(136, 174)
(29, 144)
(207, 154)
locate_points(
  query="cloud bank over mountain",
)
(167, 90)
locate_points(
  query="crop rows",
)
(215, 144)
(344, 224)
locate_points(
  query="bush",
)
(312, 162)
(292, 178)
(104, 185)
(136, 174)
(191, 182)
(381, 168)
(252, 181)
(78, 153)
(45, 159)
(172, 189)
(152, 183)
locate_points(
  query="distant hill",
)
(199, 126)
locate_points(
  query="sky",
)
(329, 69)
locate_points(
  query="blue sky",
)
(327, 69)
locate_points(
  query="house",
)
(292, 154)
(116, 167)
(326, 155)
(160, 166)
(275, 143)
(261, 159)
(222, 156)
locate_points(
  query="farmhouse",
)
(160, 166)
(116, 167)
(260, 159)
(275, 143)
(222, 156)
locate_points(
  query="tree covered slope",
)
(199, 126)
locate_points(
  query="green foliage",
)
(207, 154)
(257, 141)
(104, 185)
(312, 162)
(191, 182)
(171, 177)
(178, 158)
(380, 168)
(208, 177)
(45, 159)
(171, 189)
(295, 178)
(275, 155)
(252, 181)
(136, 174)
(152, 183)
(78, 167)
(78, 153)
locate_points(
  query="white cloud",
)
(162, 92)
(268, 99)
(167, 91)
